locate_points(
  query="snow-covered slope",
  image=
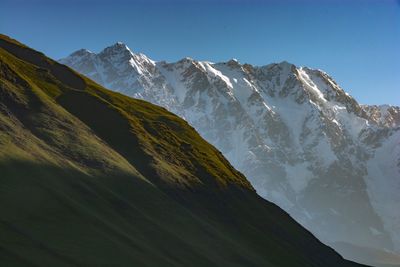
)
(301, 140)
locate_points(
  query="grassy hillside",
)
(89, 177)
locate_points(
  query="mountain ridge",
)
(92, 177)
(303, 142)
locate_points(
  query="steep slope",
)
(94, 178)
(302, 141)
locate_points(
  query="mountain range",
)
(90, 177)
(301, 140)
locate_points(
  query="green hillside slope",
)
(89, 177)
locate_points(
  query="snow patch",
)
(298, 176)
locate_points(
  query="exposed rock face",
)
(301, 140)
(384, 115)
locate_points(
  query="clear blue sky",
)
(355, 41)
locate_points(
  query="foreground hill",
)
(94, 178)
(300, 139)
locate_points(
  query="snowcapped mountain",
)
(301, 140)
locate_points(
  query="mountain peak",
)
(81, 52)
(233, 63)
(121, 45)
(281, 66)
(285, 63)
(117, 48)
(186, 59)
